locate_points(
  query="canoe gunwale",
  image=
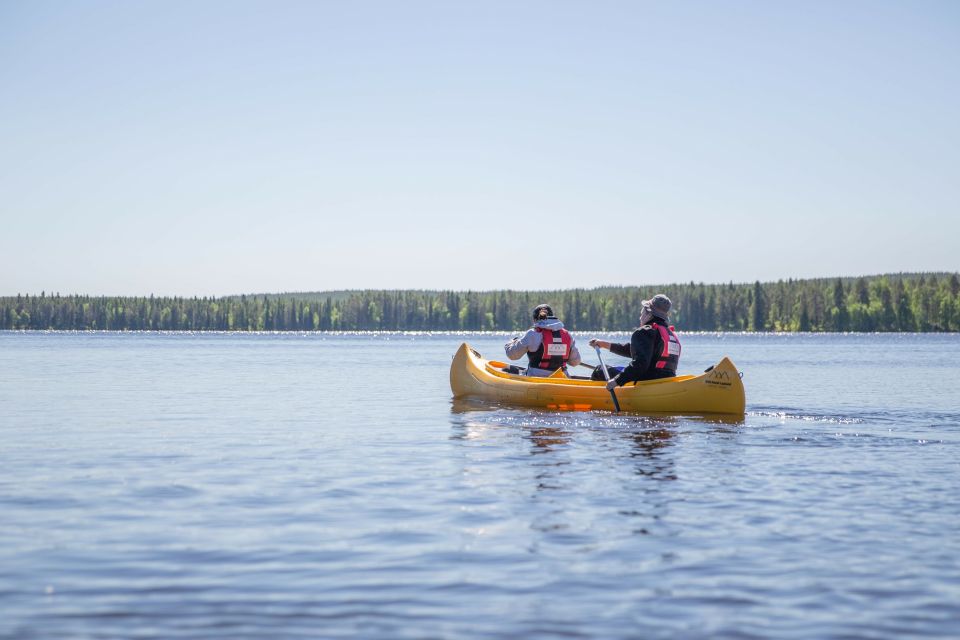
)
(491, 369)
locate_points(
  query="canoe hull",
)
(717, 391)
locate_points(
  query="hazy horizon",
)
(292, 293)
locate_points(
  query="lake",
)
(325, 485)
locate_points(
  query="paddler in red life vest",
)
(654, 348)
(547, 344)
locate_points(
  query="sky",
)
(212, 148)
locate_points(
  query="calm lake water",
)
(318, 485)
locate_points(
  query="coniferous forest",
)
(925, 302)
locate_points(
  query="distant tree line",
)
(895, 302)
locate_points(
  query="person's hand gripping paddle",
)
(606, 374)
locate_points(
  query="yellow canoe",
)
(719, 390)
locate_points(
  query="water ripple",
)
(269, 493)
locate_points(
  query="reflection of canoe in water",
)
(716, 391)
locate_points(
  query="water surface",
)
(324, 485)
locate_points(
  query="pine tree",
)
(758, 312)
(840, 317)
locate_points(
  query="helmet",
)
(540, 309)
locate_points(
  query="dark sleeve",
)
(641, 350)
(620, 349)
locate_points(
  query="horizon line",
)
(45, 293)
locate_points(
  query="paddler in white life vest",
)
(654, 348)
(547, 344)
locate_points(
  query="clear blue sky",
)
(207, 148)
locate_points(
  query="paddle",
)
(606, 374)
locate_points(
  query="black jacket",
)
(644, 344)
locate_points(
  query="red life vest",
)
(554, 350)
(669, 356)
